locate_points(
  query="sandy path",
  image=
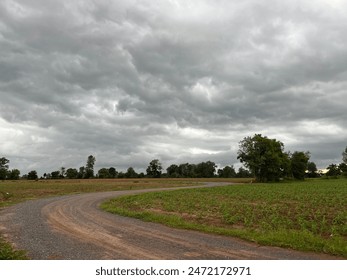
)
(73, 227)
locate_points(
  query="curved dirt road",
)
(73, 227)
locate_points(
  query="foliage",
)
(312, 170)
(227, 172)
(3, 168)
(32, 175)
(154, 169)
(89, 170)
(7, 252)
(333, 170)
(298, 164)
(131, 173)
(71, 173)
(307, 215)
(264, 157)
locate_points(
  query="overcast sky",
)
(180, 81)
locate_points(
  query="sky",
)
(181, 81)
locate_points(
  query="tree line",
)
(263, 159)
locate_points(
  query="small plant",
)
(6, 195)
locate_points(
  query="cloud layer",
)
(182, 81)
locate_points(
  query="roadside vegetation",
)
(306, 215)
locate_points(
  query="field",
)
(308, 216)
(12, 192)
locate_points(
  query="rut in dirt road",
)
(73, 227)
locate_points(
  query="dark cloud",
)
(182, 81)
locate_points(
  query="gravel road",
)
(73, 227)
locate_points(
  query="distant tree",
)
(3, 168)
(89, 171)
(187, 170)
(32, 175)
(173, 171)
(71, 173)
(227, 172)
(131, 173)
(81, 172)
(312, 170)
(154, 169)
(13, 174)
(104, 173)
(205, 169)
(298, 164)
(113, 172)
(264, 157)
(333, 170)
(243, 173)
(55, 174)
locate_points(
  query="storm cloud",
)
(181, 81)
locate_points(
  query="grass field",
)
(308, 216)
(21, 190)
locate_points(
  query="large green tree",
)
(264, 157)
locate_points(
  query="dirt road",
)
(73, 227)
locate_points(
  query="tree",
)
(227, 172)
(71, 173)
(103, 173)
(312, 170)
(187, 170)
(55, 174)
(3, 168)
(131, 173)
(32, 175)
(243, 173)
(81, 172)
(13, 174)
(205, 169)
(264, 157)
(173, 171)
(89, 171)
(298, 164)
(333, 170)
(113, 172)
(154, 169)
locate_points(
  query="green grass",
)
(8, 253)
(307, 216)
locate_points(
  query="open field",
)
(308, 216)
(25, 189)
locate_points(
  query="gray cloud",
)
(129, 81)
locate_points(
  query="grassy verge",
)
(307, 216)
